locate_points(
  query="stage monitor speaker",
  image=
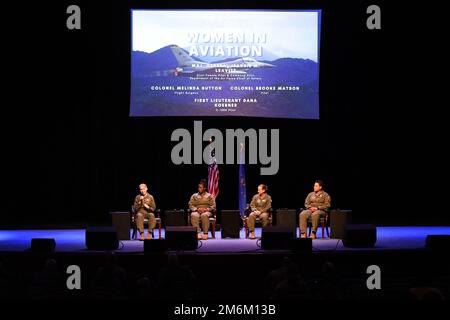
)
(43, 245)
(439, 242)
(181, 238)
(287, 218)
(121, 220)
(301, 245)
(339, 219)
(231, 223)
(360, 235)
(101, 238)
(276, 238)
(174, 218)
(155, 246)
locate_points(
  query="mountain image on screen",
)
(159, 67)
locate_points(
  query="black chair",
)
(212, 221)
(324, 223)
(258, 221)
(157, 214)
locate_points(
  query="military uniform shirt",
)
(205, 200)
(148, 200)
(321, 200)
(262, 205)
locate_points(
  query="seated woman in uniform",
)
(316, 205)
(144, 206)
(260, 206)
(201, 204)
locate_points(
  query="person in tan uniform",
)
(316, 203)
(144, 206)
(201, 205)
(260, 206)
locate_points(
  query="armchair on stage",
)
(258, 221)
(157, 214)
(324, 223)
(212, 220)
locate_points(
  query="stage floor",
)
(72, 240)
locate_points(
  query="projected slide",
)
(225, 63)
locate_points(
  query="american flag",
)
(213, 176)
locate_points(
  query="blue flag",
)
(242, 184)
